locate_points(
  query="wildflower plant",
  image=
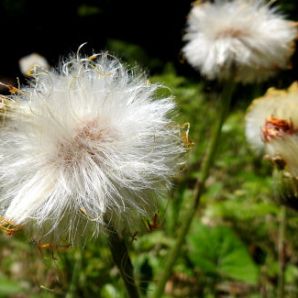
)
(89, 147)
(232, 42)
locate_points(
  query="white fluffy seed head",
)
(272, 127)
(85, 145)
(244, 41)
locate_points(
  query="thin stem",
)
(75, 276)
(123, 262)
(198, 190)
(281, 252)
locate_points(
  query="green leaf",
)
(218, 251)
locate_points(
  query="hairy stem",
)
(198, 190)
(281, 252)
(123, 262)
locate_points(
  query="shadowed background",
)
(55, 28)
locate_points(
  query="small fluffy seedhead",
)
(86, 145)
(244, 41)
(30, 62)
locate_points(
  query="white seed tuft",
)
(244, 41)
(85, 145)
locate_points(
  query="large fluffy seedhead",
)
(238, 40)
(86, 145)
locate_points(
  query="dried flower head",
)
(272, 128)
(86, 145)
(272, 117)
(244, 41)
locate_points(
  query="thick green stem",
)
(123, 262)
(198, 190)
(281, 252)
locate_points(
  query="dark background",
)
(56, 28)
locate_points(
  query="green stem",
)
(198, 190)
(75, 276)
(281, 252)
(123, 262)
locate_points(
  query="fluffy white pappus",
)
(84, 146)
(244, 41)
(272, 127)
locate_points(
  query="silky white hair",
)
(243, 41)
(85, 146)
